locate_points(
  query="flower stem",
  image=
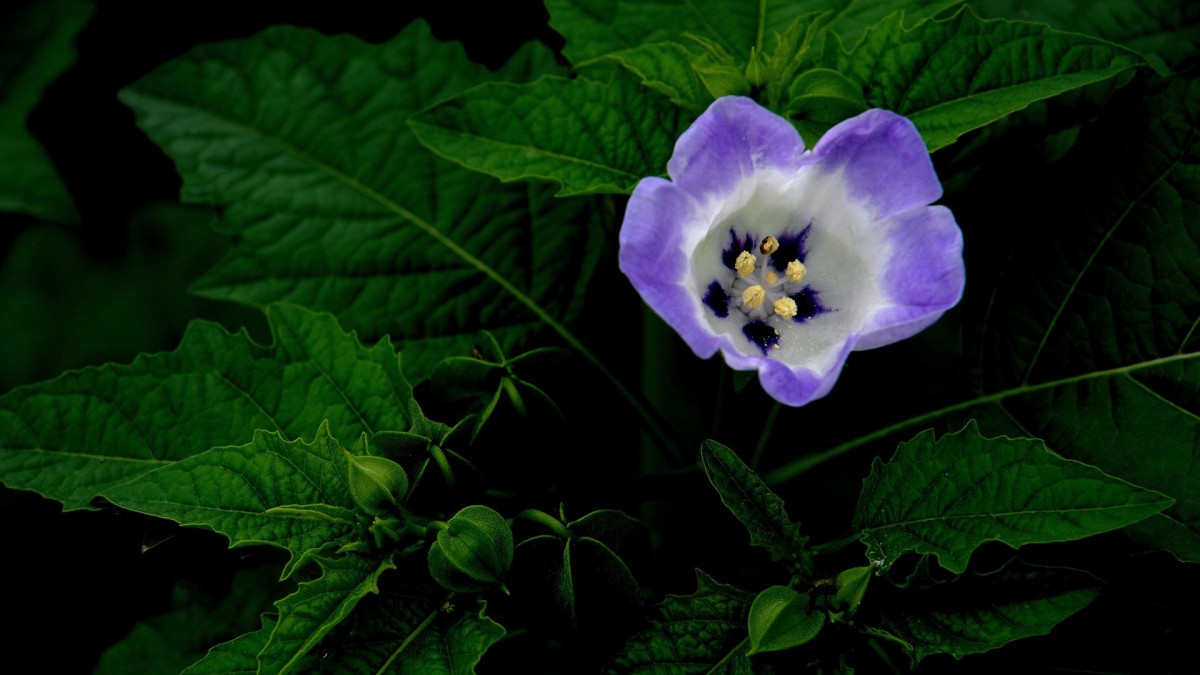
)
(547, 520)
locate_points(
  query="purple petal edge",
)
(733, 138)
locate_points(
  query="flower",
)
(786, 260)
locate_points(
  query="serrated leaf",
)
(978, 613)
(753, 503)
(700, 633)
(949, 496)
(587, 136)
(75, 436)
(961, 73)
(233, 491)
(239, 656)
(335, 205)
(317, 606)
(665, 67)
(36, 46)
(1164, 31)
(412, 629)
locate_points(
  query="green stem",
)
(764, 437)
(443, 463)
(835, 545)
(762, 23)
(416, 632)
(547, 520)
(515, 396)
(883, 656)
(797, 467)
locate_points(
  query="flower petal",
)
(731, 140)
(883, 161)
(924, 277)
(651, 256)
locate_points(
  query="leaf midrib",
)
(1006, 514)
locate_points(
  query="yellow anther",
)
(785, 307)
(769, 245)
(745, 264)
(754, 296)
(796, 271)
(772, 277)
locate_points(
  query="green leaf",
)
(594, 28)
(239, 656)
(587, 136)
(300, 138)
(780, 618)
(168, 643)
(234, 490)
(820, 98)
(754, 504)
(1164, 31)
(413, 629)
(665, 67)
(851, 587)
(948, 496)
(73, 437)
(317, 607)
(954, 75)
(978, 613)
(704, 632)
(38, 46)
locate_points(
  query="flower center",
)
(767, 284)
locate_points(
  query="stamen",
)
(786, 307)
(771, 278)
(796, 271)
(769, 245)
(754, 296)
(745, 264)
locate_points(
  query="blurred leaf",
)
(73, 437)
(37, 44)
(978, 613)
(334, 205)
(1090, 344)
(587, 136)
(317, 607)
(961, 73)
(289, 494)
(753, 503)
(1164, 31)
(168, 643)
(948, 496)
(703, 632)
(239, 656)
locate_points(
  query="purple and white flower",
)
(786, 260)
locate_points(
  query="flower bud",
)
(376, 482)
(473, 551)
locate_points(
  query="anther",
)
(796, 271)
(786, 307)
(769, 245)
(754, 296)
(745, 264)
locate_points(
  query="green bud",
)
(473, 551)
(376, 482)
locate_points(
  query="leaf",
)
(979, 613)
(239, 656)
(954, 75)
(753, 503)
(702, 633)
(317, 607)
(587, 136)
(594, 28)
(78, 435)
(169, 642)
(413, 629)
(1091, 344)
(781, 618)
(948, 496)
(1164, 31)
(665, 67)
(38, 46)
(301, 139)
(235, 491)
